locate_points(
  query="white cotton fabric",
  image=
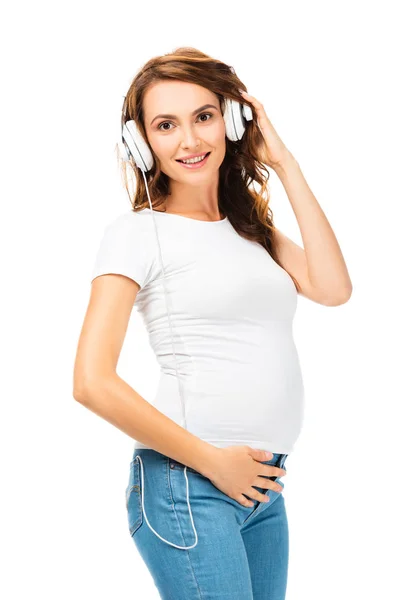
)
(232, 309)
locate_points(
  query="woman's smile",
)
(197, 164)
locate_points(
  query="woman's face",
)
(183, 129)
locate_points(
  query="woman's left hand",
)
(276, 152)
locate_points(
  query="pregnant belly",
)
(247, 403)
(261, 399)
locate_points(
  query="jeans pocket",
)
(178, 466)
(133, 498)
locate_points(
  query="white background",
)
(327, 76)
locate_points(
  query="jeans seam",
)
(136, 489)
(168, 476)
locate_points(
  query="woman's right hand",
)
(237, 468)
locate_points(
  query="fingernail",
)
(268, 455)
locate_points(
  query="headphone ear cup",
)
(235, 117)
(137, 146)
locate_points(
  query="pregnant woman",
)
(216, 284)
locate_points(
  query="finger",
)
(268, 484)
(253, 100)
(244, 501)
(271, 471)
(256, 495)
(262, 119)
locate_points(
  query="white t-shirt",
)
(232, 308)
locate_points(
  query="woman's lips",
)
(196, 165)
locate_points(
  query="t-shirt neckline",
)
(187, 218)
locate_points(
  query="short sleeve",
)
(121, 250)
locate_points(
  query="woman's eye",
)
(204, 114)
(164, 123)
(170, 122)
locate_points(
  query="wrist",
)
(207, 459)
(285, 164)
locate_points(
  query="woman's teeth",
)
(193, 160)
(197, 159)
(194, 164)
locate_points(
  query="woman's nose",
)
(189, 138)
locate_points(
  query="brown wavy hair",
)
(248, 210)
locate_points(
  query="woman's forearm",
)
(119, 404)
(326, 266)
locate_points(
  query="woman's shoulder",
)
(124, 249)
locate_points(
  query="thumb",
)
(260, 455)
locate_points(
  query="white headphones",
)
(134, 146)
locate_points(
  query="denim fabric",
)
(241, 552)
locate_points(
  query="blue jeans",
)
(228, 552)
